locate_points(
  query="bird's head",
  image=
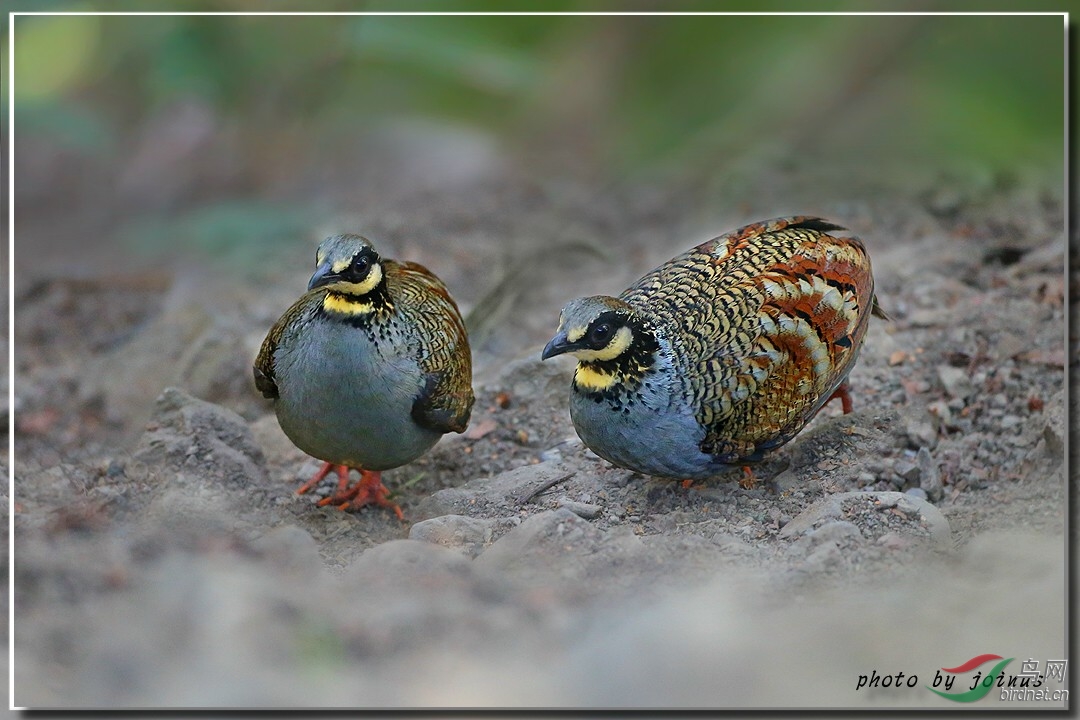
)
(592, 329)
(350, 269)
(347, 264)
(609, 339)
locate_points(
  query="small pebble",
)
(921, 433)
(840, 532)
(919, 387)
(785, 481)
(940, 409)
(956, 382)
(929, 475)
(906, 469)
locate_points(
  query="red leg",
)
(342, 473)
(845, 397)
(748, 480)
(369, 491)
(343, 478)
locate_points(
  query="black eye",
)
(361, 264)
(599, 335)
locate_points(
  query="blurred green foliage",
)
(224, 230)
(987, 89)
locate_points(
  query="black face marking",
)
(378, 298)
(630, 367)
(361, 265)
(603, 329)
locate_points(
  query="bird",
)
(722, 354)
(368, 369)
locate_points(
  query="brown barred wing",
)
(265, 376)
(445, 402)
(776, 313)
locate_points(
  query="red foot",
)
(845, 398)
(341, 471)
(687, 484)
(369, 491)
(748, 480)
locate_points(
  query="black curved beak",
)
(557, 346)
(323, 276)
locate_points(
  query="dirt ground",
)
(162, 558)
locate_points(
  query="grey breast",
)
(348, 400)
(656, 435)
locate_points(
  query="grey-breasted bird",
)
(721, 354)
(368, 369)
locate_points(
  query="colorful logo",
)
(981, 685)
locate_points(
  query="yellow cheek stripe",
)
(589, 379)
(374, 277)
(612, 350)
(343, 306)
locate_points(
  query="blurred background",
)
(226, 129)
